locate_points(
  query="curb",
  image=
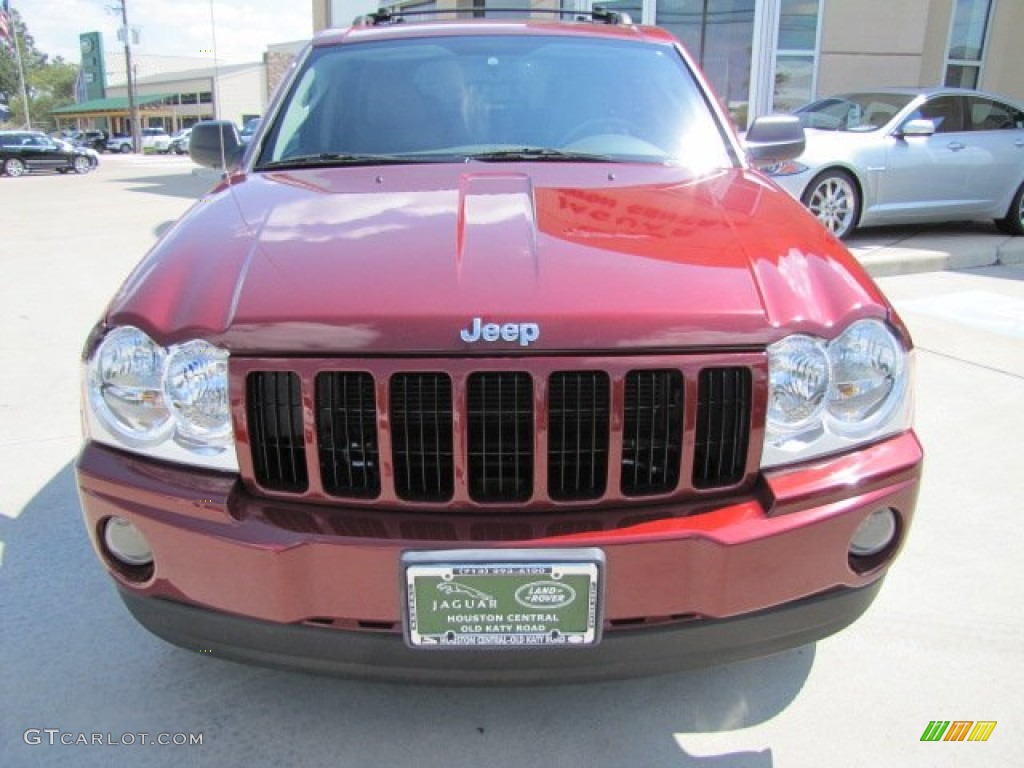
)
(889, 251)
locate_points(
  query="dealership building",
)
(760, 55)
(171, 92)
(772, 55)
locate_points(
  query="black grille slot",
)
(346, 427)
(652, 432)
(578, 416)
(500, 425)
(274, 402)
(723, 427)
(421, 436)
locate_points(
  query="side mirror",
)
(774, 139)
(216, 144)
(919, 127)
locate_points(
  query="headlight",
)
(126, 387)
(798, 371)
(867, 374)
(786, 168)
(171, 404)
(196, 385)
(828, 397)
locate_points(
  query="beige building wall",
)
(885, 43)
(936, 43)
(872, 43)
(1003, 71)
(242, 93)
(320, 12)
(148, 65)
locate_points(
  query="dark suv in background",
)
(24, 151)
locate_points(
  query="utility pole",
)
(133, 109)
(21, 67)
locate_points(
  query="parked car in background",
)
(497, 361)
(151, 139)
(92, 154)
(155, 140)
(178, 143)
(893, 156)
(120, 142)
(25, 151)
(93, 139)
(249, 129)
(157, 144)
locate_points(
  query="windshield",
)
(857, 112)
(494, 99)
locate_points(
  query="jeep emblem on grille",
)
(524, 333)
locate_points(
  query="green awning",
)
(112, 104)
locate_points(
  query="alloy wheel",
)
(833, 199)
(14, 167)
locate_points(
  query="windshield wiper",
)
(332, 159)
(519, 154)
(538, 154)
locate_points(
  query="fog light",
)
(126, 543)
(875, 534)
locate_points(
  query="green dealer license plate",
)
(503, 598)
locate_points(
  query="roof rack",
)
(599, 15)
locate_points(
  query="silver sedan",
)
(896, 156)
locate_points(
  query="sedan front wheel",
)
(15, 167)
(82, 164)
(1013, 224)
(833, 198)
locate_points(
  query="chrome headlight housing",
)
(785, 168)
(826, 397)
(171, 404)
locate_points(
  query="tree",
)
(50, 84)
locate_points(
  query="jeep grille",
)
(498, 437)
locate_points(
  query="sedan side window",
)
(989, 115)
(946, 112)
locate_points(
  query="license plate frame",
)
(510, 599)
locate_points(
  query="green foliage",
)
(50, 84)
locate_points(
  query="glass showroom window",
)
(967, 42)
(719, 34)
(796, 60)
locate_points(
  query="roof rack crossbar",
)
(599, 14)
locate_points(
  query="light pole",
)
(21, 66)
(133, 109)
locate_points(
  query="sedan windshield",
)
(857, 112)
(494, 98)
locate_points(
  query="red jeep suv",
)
(492, 358)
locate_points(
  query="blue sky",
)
(170, 27)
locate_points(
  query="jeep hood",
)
(403, 259)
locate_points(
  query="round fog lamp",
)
(874, 534)
(126, 543)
